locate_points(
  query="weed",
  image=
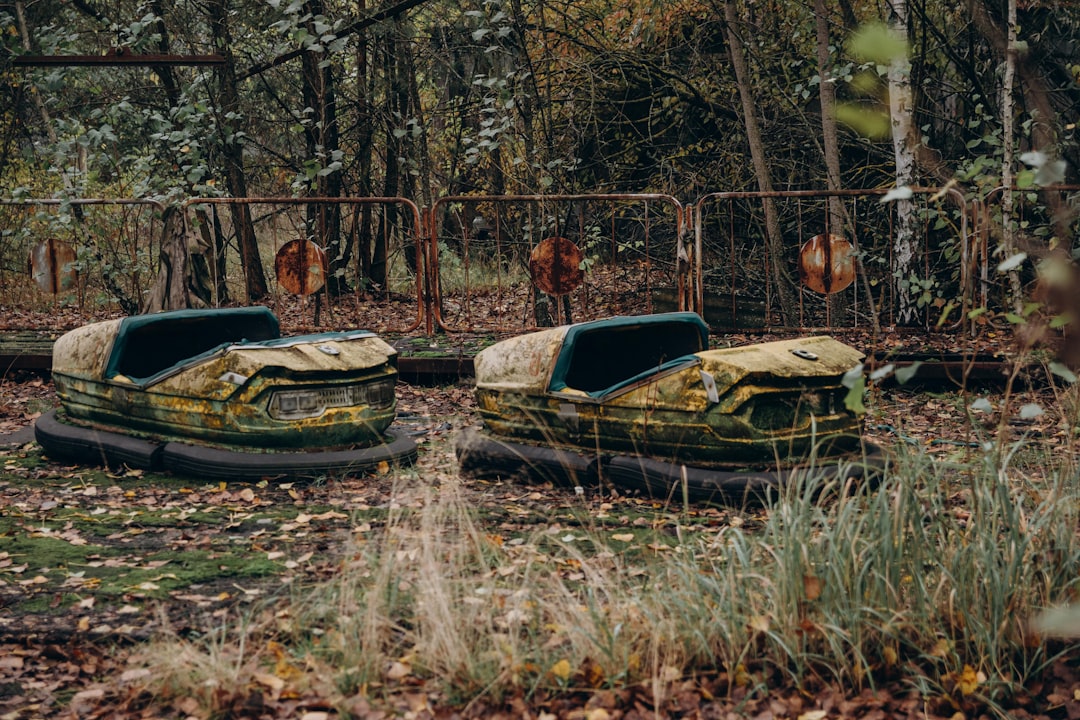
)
(930, 577)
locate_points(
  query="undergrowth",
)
(927, 580)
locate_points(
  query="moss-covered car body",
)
(649, 387)
(225, 378)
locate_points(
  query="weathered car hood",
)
(85, 351)
(521, 364)
(217, 374)
(819, 356)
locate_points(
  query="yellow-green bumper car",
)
(642, 403)
(220, 394)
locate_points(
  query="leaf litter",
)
(94, 563)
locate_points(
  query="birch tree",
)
(904, 139)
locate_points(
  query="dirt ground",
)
(67, 623)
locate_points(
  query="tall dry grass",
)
(928, 579)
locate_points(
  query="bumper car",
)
(642, 403)
(219, 394)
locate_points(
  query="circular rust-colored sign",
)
(827, 264)
(555, 266)
(52, 265)
(301, 267)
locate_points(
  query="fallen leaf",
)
(561, 670)
(271, 681)
(134, 674)
(398, 670)
(970, 680)
(812, 587)
(11, 662)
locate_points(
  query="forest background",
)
(428, 99)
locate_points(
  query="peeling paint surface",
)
(771, 402)
(332, 389)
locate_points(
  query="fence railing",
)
(476, 264)
(842, 258)
(507, 263)
(364, 256)
(93, 250)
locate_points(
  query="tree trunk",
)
(365, 151)
(182, 281)
(1008, 234)
(837, 307)
(322, 137)
(780, 276)
(233, 152)
(391, 181)
(901, 114)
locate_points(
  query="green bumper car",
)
(220, 394)
(642, 403)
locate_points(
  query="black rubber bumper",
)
(94, 447)
(86, 445)
(219, 464)
(481, 454)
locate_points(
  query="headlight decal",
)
(301, 404)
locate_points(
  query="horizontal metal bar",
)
(114, 59)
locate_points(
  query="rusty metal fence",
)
(511, 263)
(830, 260)
(492, 264)
(343, 261)
(83, 253)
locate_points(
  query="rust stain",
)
(301, 267)
(827, 263)
(555, 266)
(52, 265)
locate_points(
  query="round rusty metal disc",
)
(555, 266)
(52, 265)
(827, 263)
(301, 267)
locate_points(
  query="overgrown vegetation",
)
(927, 581)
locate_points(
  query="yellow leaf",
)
(84, 624)
(221, 486)
(623, 537)
(970, 680)
(889, 655)
(941, 648)
(561, 670)
(759, 623)
(741, 677)
(383, 467)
